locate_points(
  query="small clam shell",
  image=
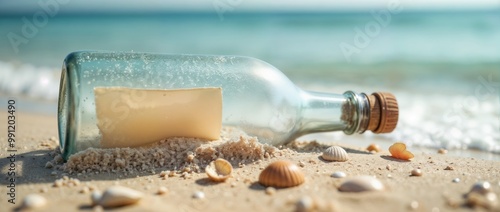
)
(281, 174)
(338, 175)
(373, 147)
(219, 170)
(117, 196)
(33, 201)
(361, 184)
(335, 153)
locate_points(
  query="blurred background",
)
(442, 60)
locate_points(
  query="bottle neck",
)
(324, 112)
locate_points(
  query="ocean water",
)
(443, 67)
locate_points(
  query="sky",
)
(30, 6)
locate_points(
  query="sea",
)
(443, 66)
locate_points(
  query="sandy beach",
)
(36, 142)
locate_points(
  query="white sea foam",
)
(40, 83)
(456, 122)
(433, 119)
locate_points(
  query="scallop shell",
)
(219, 170)
(335, 153)
(281, 174)
(373, 147)
(117, 196)
(398, 150)
(361, 184)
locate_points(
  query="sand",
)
(433, 191)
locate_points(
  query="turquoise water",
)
(287, 40)
(436, 63)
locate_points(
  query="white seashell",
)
(33, 201)
(361, 184)
(119, 196)
(335, 153)
(339, 175)
(95, 196)
(199, 195)
(456, 180)
(305, 204)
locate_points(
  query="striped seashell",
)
(281, 174)
(335, 153)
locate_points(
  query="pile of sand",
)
(171, 154)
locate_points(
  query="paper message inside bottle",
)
(129, 117)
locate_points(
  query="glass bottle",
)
(257, 98)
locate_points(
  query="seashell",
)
(335, 153)
(416, 172)
(305, 204)
(488, 200)
(373, 147)
(219, 170)
(338, 175)
(198, 195)
(361, 184)
(481, 187)
(33, 201)
(398, 150)
(162, 190)
(95, 196)
(117, 196)
(456, 180)
(281, 174)
(414, 205)
(442, 151)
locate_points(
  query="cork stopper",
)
(384, 112)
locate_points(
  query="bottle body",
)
(257, 98)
